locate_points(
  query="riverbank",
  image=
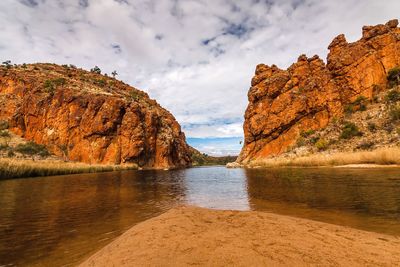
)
(196, 236)
(17, 168)
(381, 157)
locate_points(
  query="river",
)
(61, 220)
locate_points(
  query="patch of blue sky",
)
(221, 146)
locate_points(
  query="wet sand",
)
(195, 236)
(367, 166)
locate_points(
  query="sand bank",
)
(367, 166)
(196, 236)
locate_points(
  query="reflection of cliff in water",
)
(328, 194)
(61, 209)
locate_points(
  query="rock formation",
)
(89, 117)
(310, 93)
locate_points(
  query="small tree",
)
(7, 64)
(31, 149)
(350, 130)
(96, 69)
(392, 96)
(114, 73)
(394, 76)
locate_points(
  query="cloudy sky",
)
(195, 57)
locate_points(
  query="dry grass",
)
(381, 156)
(14, 168)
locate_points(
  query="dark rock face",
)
(89, 117)
(310, 93)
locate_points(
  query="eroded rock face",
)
(89, 117)
(310, 93)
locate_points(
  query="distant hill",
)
(202, 159)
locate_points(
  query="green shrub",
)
(360, 100)
(371, 126)
(3, 125)
(7, 64)
(59, 81)
(100, 82)
(4, 133)
(307, 133)
(96, 69)
(394, 113)
(51, 85)
(4, 147)
(393, 77)
(31, 149)
(321, 144)
(360, 104)
(365, 145)
(363, 107)
(349, 109)
(314, 139)
(10, 154)
(134, 95)
(300, 142)
(392, 96)
(350, 130)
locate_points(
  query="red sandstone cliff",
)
(310, 93)
(88, 117)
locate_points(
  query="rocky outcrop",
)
(310, 93)
(88, 117)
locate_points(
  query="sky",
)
(220, 146)
(195, 57)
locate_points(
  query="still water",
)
(61, 220)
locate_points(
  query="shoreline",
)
(367, 166)
(197, 236)
(379, 158)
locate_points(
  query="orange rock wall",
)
(89, 123)
(307, 95)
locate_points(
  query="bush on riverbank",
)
(15, 168)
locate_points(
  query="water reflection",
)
(58, 221)
(46, 220)
(217, 188)
(368, 199)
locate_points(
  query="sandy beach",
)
(196, 236)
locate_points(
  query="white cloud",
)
(195, 57)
